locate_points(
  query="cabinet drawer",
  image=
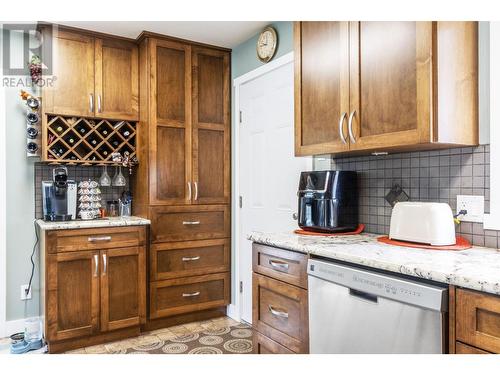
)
(284, 265)
(466, 349)
(280, 313)
(264, 345)
(178, 296)
(182, 223)
(478, 320)
(58, 241)
(180, 259)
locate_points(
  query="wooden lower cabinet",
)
(183, 295)
(92, 296)
(474, 322)
(187, 223)
(123, 292)
(72, 295)
(264, 345)
(189, 258)
(280, 303)
(466, 349)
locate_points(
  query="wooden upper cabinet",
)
(170, 177)
(116, 79)
(94, 77)
(321, 87)
(211, 122)
(390, 86)
(72, 295)
(123, 288)
(73, 69)
(402, 85)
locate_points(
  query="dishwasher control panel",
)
(370, 285)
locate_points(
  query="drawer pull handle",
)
(191, 294)
(98, 239)
(190, 223)
(280, 266)
(96, 265)
(281, 314)
(187, 259)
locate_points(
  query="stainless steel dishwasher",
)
(352, 310)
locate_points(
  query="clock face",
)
(266, 45)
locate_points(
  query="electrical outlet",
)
(474, 204)
(25, 296)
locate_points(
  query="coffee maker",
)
(59, 196)
(328, 201)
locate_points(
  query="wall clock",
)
(267, 44)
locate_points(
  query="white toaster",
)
(428, 223)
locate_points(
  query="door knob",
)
(295, 216)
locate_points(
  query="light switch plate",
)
(474, 204)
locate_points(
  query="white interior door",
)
(268, 170)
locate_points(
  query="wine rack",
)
(87, 140)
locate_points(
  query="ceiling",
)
(220, 33)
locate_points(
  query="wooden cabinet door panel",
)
(478, 319)
(321, 87)
(280, 312)
(116, 79)
(180, 259)
(123, 288)
(390, 84)
(73, 67)
(172, 173)
(170, 133)
(72, 295)
(211, 129)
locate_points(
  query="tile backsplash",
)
(43, 172)
(432, 176)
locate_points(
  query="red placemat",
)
(358, 230)
(462, 244)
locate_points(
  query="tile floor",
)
(153, 337)
(146, 338)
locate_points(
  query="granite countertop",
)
(98, 223)
(476, 268)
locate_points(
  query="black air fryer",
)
(328, 201)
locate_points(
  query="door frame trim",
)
(3, 221)
(233, 309)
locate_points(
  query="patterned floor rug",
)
(226, 340)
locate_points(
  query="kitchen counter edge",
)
(477, 268)
(99, 223)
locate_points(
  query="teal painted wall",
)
(20, 202)
(244, 56)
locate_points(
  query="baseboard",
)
(13, 326)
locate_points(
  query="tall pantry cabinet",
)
(183, 178)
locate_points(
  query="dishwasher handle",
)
(363, 295)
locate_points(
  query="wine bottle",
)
(126, 133)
